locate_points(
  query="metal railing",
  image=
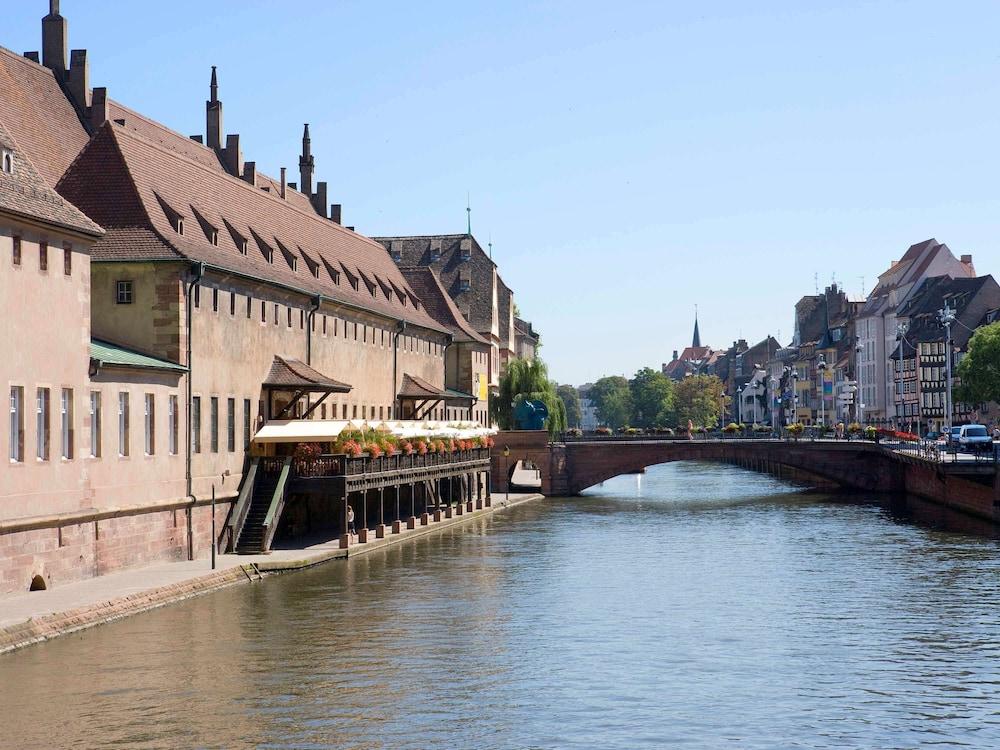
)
(334, 465)
(238, 515)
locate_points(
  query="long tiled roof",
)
(126, 182)
(38, 115)
(439, 304)
(24, 193)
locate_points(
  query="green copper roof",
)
(118, 356)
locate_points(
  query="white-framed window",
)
(149, 426)
(7, 161)
(123, 408)
(95, 424)
(16, 423)
(42, 424)
(123, 292)
(172, 425)
(231, 425)
(246, 424)
(213, 423)
(196, 424)
(66, 422)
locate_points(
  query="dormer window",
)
(466, 250)
(7, 161)
(435, 250)
(396, 250)
(213, 237)
(238, 239)
(243, 246)
(464, 282)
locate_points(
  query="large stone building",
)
(877, 322)
(471, 278)
(168, 299)
(919, 360)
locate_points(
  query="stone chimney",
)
(250, 172)
(307, 165)
(54, 41)
(99, 107)
(78, 81)
(232, 155)
(213, 115)
(33, 56)
(675, 355)
(319, 199)
(967, 262)
(335, 212)
(284, 182)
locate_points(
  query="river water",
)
(695, 606)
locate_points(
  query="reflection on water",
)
(693, 606)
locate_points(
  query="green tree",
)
(699, 399)
(612, 400)
(652, 398)
(571, 400)
(527, 380)
(980, 368)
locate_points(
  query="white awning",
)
(327, 430)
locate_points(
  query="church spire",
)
(213, 115)
(307, 164)
(696, 340)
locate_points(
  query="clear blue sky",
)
(629, 159)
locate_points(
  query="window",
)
(123, 292)
(17, 251)
(231, 425)
(213, 423)
(95, 424)
(42, 424)
(276, 314)
(215, 300)
(263, 312)
(16, 423)
(302, 318)
(149, 428)
(7, 161)
(172, 425)
(232, 303)
(43, 256)
(67, 259)
(249, 306)
(66, 422)
(196, 424)
(289, 317)
(123, 441)
(246, 424)
(324, 325)
(197, 296)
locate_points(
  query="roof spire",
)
(214, 87)
(307, 163)
(696, 339)
(468, 214)
(490, 244)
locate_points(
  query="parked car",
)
(951, 437)
(932, 435)
(974, 438)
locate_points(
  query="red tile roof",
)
(293, 373)
(124, 181)
(38, 115)
(24, 193)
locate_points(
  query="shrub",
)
(422, 447)
(574, 432)
(602, 431)
(407, 447)
(795, 429)
(731, 428)
(854, 428)
(870, 432)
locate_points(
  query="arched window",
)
(8, 162)
(37, 584)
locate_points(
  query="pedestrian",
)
(690, 430)
(350, 521)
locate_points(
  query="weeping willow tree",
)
(528, 380)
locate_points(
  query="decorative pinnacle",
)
(214, 86)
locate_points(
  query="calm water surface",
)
(697, 606)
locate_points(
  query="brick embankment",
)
(95, 601)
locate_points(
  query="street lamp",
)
(774, 411)
(821, 366)
(859, 408)
(739, 404)
(946, 316)
(506, 455)
(901, 330)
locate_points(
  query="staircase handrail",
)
(238, 516)
(277, 503)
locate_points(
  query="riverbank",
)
(41, 615)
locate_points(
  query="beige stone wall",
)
(233, 353)
(45, 343)
(468, 364)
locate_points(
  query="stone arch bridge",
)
(571, 466)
